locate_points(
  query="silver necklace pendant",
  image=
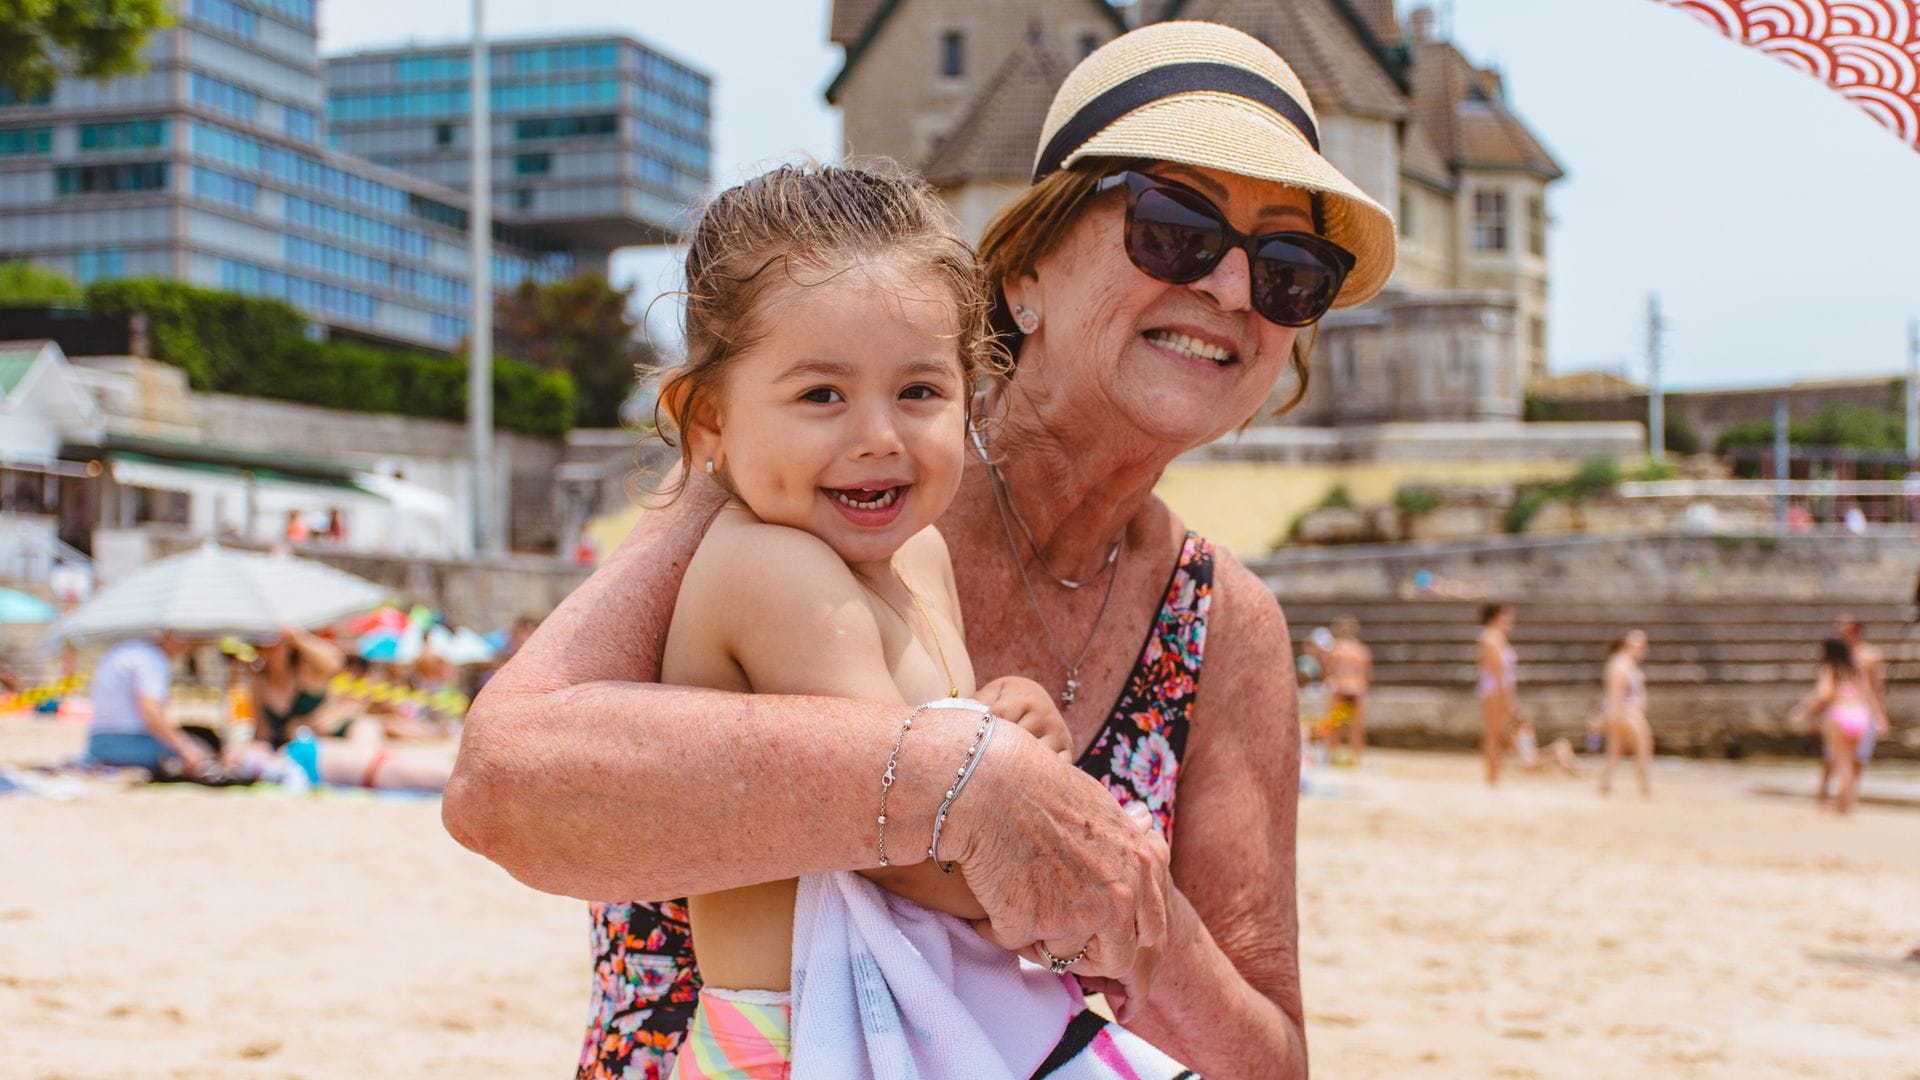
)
(1066, 696)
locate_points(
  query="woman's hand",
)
(1054, 860)
(1028, 704)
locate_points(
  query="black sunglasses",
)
(1177, 235)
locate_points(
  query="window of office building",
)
(23, 141)
(218, 186)
(300, 11)
(107, 179)
(523, 199)
(1490, 220)
(565, 127)
(443, 134)
(9, 97)
(532, 164)
(125, 135)
(953, 54)
(1537, 226)
(301, 124)
(94, 265)
(224, 97)
(226, 16)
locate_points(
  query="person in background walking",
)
(1499, 669)
(1850, 710)
(1872, 666)
(1625, 717)
(1349, 665)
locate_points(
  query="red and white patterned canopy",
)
(1869, 50)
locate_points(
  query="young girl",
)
(835, 331)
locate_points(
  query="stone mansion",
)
(959, 89)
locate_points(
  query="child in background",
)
(835, 333)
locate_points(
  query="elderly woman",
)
(1182, 231)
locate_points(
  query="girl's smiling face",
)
(847, 416)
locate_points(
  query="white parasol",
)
(217, 592)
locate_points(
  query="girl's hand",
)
(1029, 705)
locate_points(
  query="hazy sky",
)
(1779, 224)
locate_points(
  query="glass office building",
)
(600, 140)
(213, 167)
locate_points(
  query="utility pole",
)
(1913, 390)
(486, 525)
(1782, 464)
(1656, 395)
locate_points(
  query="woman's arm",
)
(1227, 1000)
(579, 776)
(319, 658)
(1822, 696)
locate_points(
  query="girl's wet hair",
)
(1490, 612)
(805, 225)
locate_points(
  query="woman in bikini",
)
(1625, 714)
(1499, 676)
(1851, 708)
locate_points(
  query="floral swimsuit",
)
(645, 981)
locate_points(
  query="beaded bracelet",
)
(886, 780)
(960, 778)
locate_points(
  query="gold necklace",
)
(953, 687)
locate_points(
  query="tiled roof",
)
(1324, 48)
(996, 137)
(1378, 17)
(1420, 156)
(850, 19)
(1463, 110)
(16, 359)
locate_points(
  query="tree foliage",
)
(43, 40)
(1851, 426)
(26, 284)
(579, 326)
(237, 344)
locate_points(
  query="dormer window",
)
(953, 54)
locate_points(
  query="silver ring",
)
(1054, 963)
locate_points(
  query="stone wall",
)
(1838, 567)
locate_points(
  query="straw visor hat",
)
(1208, 95)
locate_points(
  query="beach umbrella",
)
(18, 607)
(458, 647)
(391, 643)
(213, 592)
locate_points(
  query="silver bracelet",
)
(960, 778)
(886, 780)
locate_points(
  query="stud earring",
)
(709, 466)
(1026, 319)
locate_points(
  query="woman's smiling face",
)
(846, 418)
(1186, 363)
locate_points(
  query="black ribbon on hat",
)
(1164, 82)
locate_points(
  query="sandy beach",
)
(1447, 931)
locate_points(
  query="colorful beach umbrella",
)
(18, 607)
(214, 592)
(1868, 50)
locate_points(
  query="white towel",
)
(885, 988)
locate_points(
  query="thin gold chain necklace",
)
(953, 686)
(1001, 500)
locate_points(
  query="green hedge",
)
(236, 344)
(1849, 426)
